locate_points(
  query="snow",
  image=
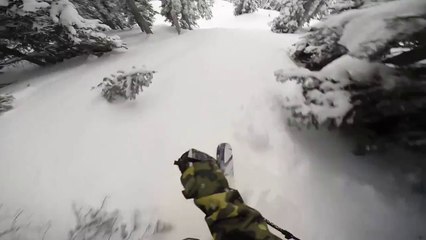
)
(33, 5)
(224, 18)
(4, 3)
(63, 143)
(347, 68)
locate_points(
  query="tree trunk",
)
(138, 17)
(106, 20)
(185, 18)
(312, 14)
(175, 21)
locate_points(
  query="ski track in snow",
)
(63, 142)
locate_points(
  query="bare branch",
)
(49, 224)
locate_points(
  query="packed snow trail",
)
(63, 142)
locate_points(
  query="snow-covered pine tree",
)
(118, 14)
(296, 13)
(147, 12)
(142, 16)
(125, 85)
(271, 4)
(44, 32)
(370, 74)
(185, 13)
(245, 6)
(110, 12)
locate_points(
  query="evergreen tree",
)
(109, 12)
(138, 17)
(271, 4)
(118, 14)
(295, 13)
(126, 85)
(185, 13)
(44, 32)
(147, 11)
(245, 6)
(366, 74)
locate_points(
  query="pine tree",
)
(271, 4)
(118, 14)
(147, 11)
(295, 13)
(45, 32)
(245, 6)
(109, 12)
(126, 85)
(366, 74)
(185, 13)
(139, 18)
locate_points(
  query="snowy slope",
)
(64, 143)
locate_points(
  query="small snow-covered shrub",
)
(16, 225)
(282, 24)
(126, 85)
(245, 6)
(97, 224)
(100, 224)
(366, 71)
(6, 102)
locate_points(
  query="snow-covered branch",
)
(57, 32)
(294, 14)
